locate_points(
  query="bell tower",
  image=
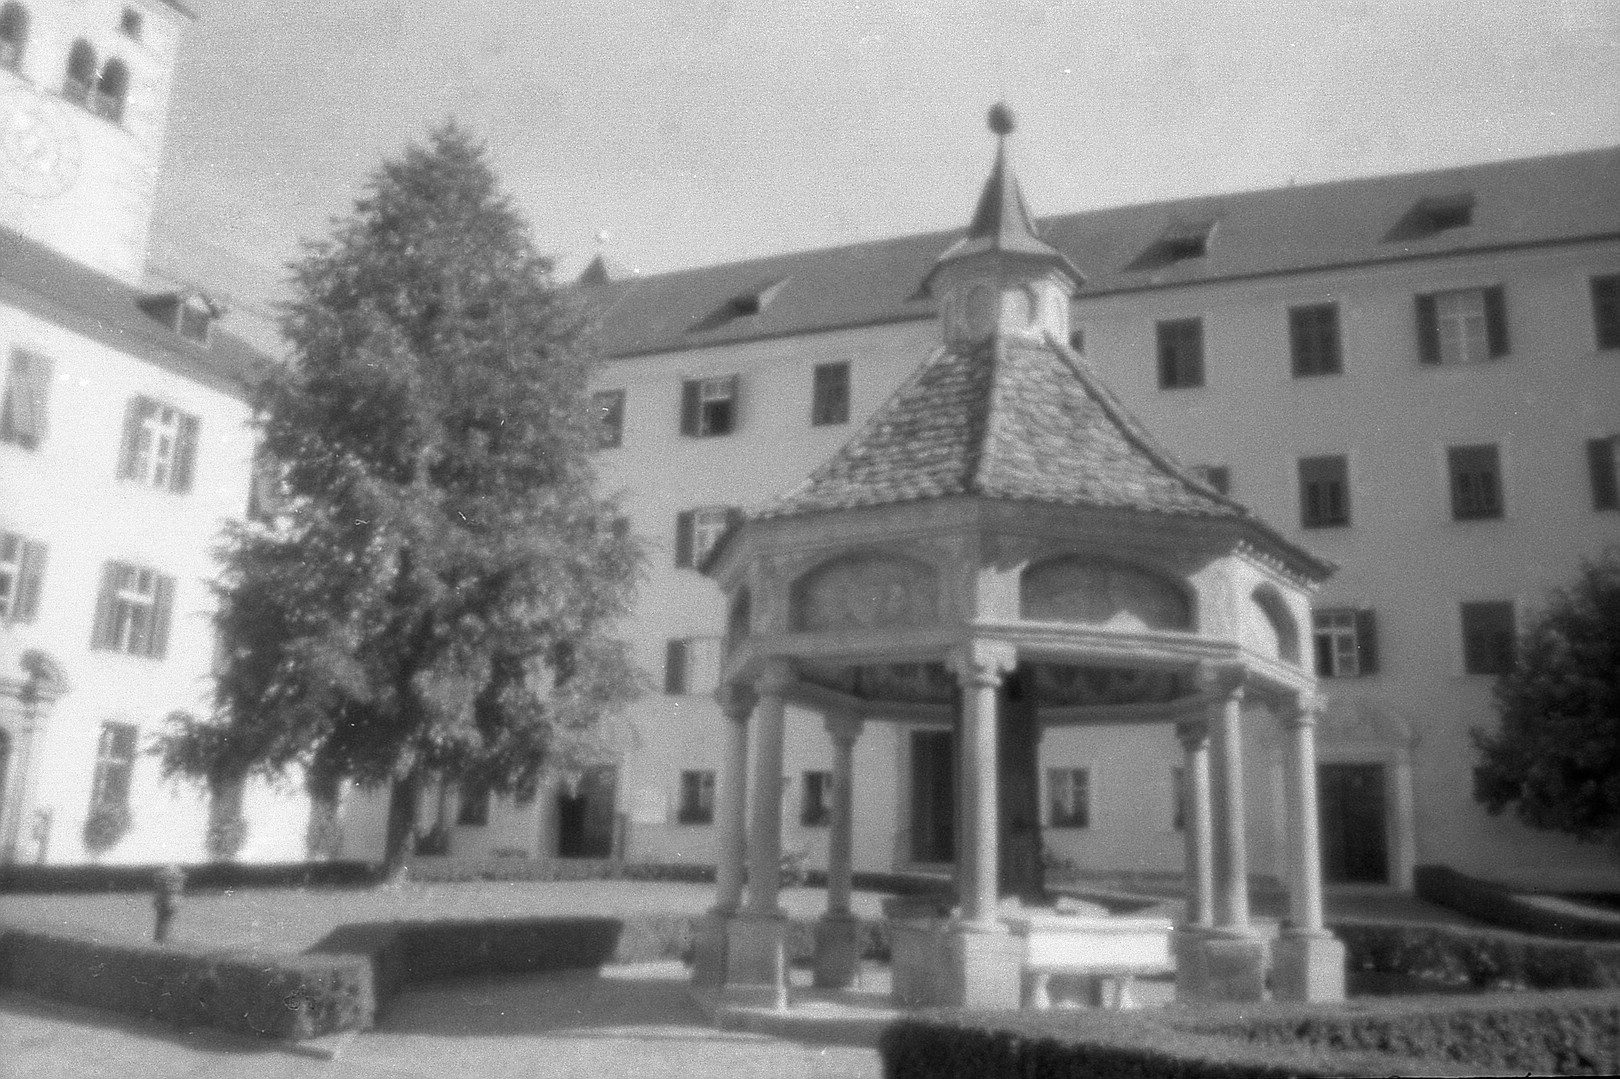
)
(84, 102)
(1001, 280)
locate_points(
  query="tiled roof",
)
(1543, 200)
(45, 282)
(1020, 422)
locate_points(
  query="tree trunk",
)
(402, 798)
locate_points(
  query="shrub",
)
(105, 826)
(1494, 904)
(200, 877)
(1440, 957)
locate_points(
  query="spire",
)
(1001, 222)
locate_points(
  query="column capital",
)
(736, 700)
(981, 663)
(844, 725)
(1194, 733)
(1225, 681)
(775, 675)
(1302, 710)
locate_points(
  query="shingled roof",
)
(1532, 202)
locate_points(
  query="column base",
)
(838, 951)
(1308, 967)
(986, 968)
(709, 949)
(756, 950)
(1216, 965)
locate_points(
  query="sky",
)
(677, 133)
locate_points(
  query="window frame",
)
(1346, 648)
(113, 778)
(695, 801)
(830, 385)
(710, 406)
(1316, 348)
(117, 627)
(1488, 649)
(607, 406)
(1317, 507)
(1216, 477)
(14, 17)
(22, 567)
(698, 529)
(1603, 472)
(1476, 493)
(1432, 322)
(159, 447)
(25, 399)
(1605, 292)
(1180, 351)
(1076, 783)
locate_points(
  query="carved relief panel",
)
(1100, 592)
(866, 591)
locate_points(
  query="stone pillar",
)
(757, 937)
(1192, 934)
(711, 932)
(1308, 961)
(1231, 862)
(838, 933)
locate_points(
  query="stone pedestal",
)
(1308, 967)
(838, 951)
(709, 950)
(986, 968)
(756, 951)
(1216, 966)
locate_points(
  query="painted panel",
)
(1100, 592)
(864, 591)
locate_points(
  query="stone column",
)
(757, 937)
(1231, 862)
(1197, 823)
(838, 932)
(736, 704)
(1308, 961)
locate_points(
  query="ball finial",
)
(1001, 119)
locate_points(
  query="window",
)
(1476, 482)
(1432, 216)
(22, 573)
(132, 24)
(697, 531)
(23, 407)
(472, 805)
(709, 406)
(160, 445)
(815, 800)
(1181, 353)
(133, 610)
(108, 103)
(1346, 643)
(115, 764)
(691, 665)
(1068, 797)
(608, 408)
(1313, 333)
(1216, 476)
(1606, 310)
(697, 798)
(830, 395)
(13, 35)
(1324, 492)
(1601, 458)
(1488, 635)
(81, 73)
(1464, 326)
(1180, 241)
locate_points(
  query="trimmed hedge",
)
(1128, 1045)
(1494, 904)
(202, 876)
(457, 870)
(1570, 1033)
(290, 997)
(1441, 958)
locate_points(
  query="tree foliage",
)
(1555, 757)
(437, 588)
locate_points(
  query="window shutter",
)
(1367, 642)
(157, 643)
(675, 668)
(734, 391)
(1600, 454)
(185, 455)
(1496, 327)
(691, 407)
(26, 399)
(139, 408)
(1428, 329)
(101, 634)
(683, 538)
(30, 577)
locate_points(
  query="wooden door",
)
(933, 796)
(1355, 821)
(585, 819)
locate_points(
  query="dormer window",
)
(13, 35)
(189, 314)
(742, 305)
(132, 23)
(1432, 216)
(1181, 241)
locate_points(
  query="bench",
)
(1111, 951)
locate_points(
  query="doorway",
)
(933, 796)
(1354, 817)
(585, 818)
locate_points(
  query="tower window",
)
(13, 35)
(81, 73)
(132, 24)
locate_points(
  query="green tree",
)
(436, 590)
(1555, 757)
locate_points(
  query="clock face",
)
(39, 149)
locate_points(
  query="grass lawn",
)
(293, 919)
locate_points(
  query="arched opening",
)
(81, 73)
(111, 90)
(13, 35)
(1270, 629)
